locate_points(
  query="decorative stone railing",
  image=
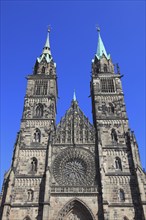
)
(73, 189)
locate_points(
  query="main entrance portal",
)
(75, 210)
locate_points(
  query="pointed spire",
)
(74, 96)
(46, 50)
(100, 47)
(47, 44)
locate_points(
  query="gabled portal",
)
(75, 210)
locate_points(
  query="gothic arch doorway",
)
(75, 210)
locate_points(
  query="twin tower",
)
(75, 170)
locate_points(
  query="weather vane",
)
(97, 28)
(49, 28)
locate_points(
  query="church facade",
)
(75, 170)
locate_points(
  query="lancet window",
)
(121, 195)
(43, 69)
(118, 164)
(37, 136)
(105, 68)
(39, 111)
(111, 108)
(34, 164)
(51, 71)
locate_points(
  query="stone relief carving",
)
(27, 109)
(49, 110)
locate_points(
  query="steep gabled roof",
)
(74, 127)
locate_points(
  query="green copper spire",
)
(46, 53)
(47, 44)
(100, 47)
(74, 96)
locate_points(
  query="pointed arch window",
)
(43, 69)
(121, 195)
(30, 195)
(34, 163)
(111, 108)
(125, 218)
(37, 136)
(39, 111)
(51, 71)
(114, 135)
(27, 218)
(105, 68)
(118, 164)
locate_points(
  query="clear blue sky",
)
(73, 45)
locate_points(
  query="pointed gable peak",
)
(74, 127)
(101, 48)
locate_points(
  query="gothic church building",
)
(74, 170)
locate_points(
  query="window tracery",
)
(39, 111)
(75, 129)
(74, 167)
(37, 136)
(40, 87)
(107, 85)
(75, 210)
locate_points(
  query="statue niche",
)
(114, 135)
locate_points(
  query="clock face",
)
(74, 166)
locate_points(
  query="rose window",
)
(74, 166)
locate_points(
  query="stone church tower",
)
(74, 170)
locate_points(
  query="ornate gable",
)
(74, 127)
